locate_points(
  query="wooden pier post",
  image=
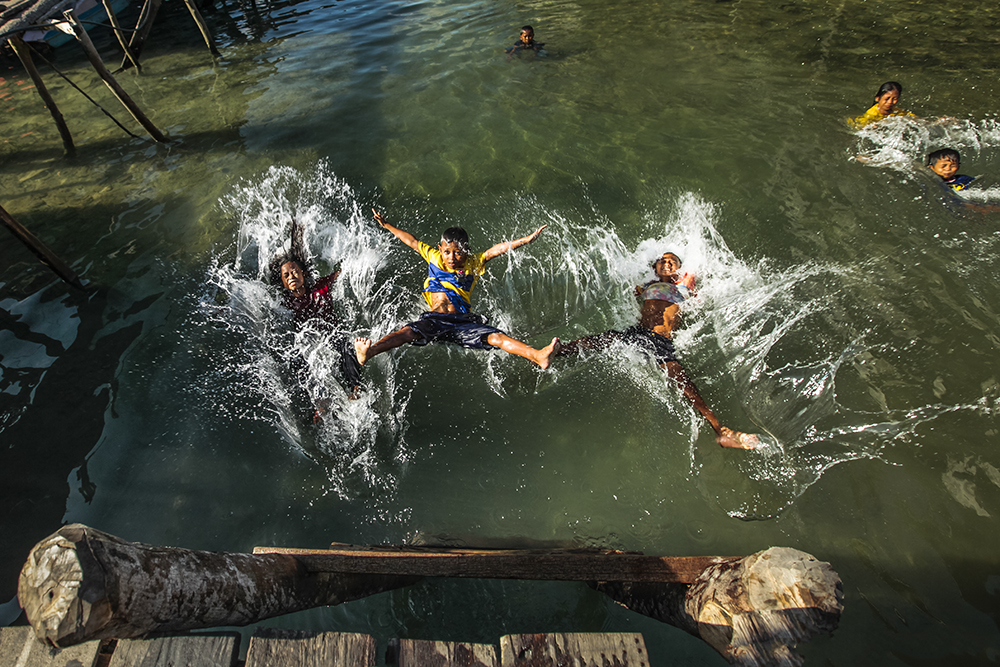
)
(24, 55)
(202, 26)
(40, 250)
(102, 71)
(119, 34)
(142, 29)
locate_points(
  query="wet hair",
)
(669, 252)
(456, 235)
(888, 87)
(943, 154)
(528, 28)
(297, 254)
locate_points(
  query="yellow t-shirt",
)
(456, 284)
(872, 115)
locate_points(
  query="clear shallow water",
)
(849, 309)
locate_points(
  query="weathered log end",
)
(59, 601)
(81, 584)
(753, 611)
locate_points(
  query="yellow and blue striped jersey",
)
(456, 284)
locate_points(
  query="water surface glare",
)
(847, 307)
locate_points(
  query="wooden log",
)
(24, 55)
(753, 611)
(143, 26)
(81, 584)
(422, 653)
(119, 34)
(271, 647)
(597, 649)
(202, 26)
(202, 650)
(40, 250)
(531, 564)
(19, 648)
(102, 71)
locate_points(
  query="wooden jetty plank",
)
(551, 565)
(207, 650)
(423, 653)
(20, 648)
(270, 647)
(621, 649)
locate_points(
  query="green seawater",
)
(848, 309)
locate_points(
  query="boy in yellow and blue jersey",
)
(452, 272)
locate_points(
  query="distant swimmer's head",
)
(527, 35)
(454, 248)
(666, 266)
(888, 96)
(944, 162)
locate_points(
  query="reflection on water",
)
(847, 309)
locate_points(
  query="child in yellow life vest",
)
(452, 272)
(886, 99)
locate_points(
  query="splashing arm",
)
(404, 236)
(502, 248)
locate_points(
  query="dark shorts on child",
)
(661, 347)
(466, 329)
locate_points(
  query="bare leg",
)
(365, 349)
(542, 357)
(725, 436)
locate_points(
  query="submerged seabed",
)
(847, 305)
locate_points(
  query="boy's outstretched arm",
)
(406, 237)
(501, 248)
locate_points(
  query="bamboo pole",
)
(202, 26)
(102, 71)
(119, 34)
(24, 55)
(40, 250)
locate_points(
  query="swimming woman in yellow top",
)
(886, 100)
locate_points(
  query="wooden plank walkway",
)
(270, 647)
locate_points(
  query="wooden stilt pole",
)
(40, 249)
(202, 26)
(102, 71)
(142, 28)
(24, 54)
(119, 34)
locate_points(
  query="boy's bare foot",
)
(549, 351)
(361, 347)
(737, 439)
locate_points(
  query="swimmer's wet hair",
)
(888, 87)
(669, 252)
(527, 27)
(943, 154)
(297, 254)
(456, 235)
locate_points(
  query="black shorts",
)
(661, 347)
(466, 329)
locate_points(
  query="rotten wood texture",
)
(423, 653)
(110, 82)
(40, 250)
(143, 26)
(214, 650)
(621, 649)
(753, 611)
(202, 27)
(24, 55)
(20, 648)
(118, 32)
(80, 584)
(529, 564)
(291, 648)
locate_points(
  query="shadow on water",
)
(61, 350)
